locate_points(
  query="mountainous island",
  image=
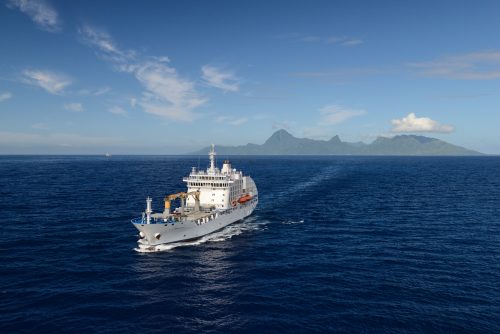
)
(283, 143)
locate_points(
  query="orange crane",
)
(182, 196)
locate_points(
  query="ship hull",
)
(159, 233)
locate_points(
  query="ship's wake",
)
(325, 174)
(288, 194)
(247, 225)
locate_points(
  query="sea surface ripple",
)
(337, 244)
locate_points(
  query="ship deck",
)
(159, 217)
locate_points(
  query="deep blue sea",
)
(336, 244)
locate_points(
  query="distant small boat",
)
(108, 155)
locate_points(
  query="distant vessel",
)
(214, 199)
(108, 155)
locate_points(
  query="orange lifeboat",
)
(244, 199)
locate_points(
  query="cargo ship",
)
(214, 199)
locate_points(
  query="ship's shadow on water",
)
(336, 244)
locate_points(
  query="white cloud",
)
(166, 93)
(412, 123)
(472, 66)
(218, 78)
(169, 95)
(117, 111)
(77, 107)
(54, 83)
(39, 11)
(5, 96)
(334, 114)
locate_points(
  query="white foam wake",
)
(284, 196)
(291, 222)
(323, 175)
(225, 234)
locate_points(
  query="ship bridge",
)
(219, 188)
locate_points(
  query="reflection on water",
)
(386, 243)
(203, 274)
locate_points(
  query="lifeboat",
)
(244, 199)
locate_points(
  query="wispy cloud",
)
(343, 40)
(335, 114)
(338, 40)
(166, 94)
(52, 82)
(239, 121)
(39, 126)
(40, 12)
(309, 39)
(219, 78)
(281, 125)
(341, 75)
(95, 92)
(231, 120)
(460, 96)
(412, 123)
(102, 41)
(76, 107)
(329, 116)
(55, 139)
(5, 96)
(133, 102)
(471, 66)
(317, 132)
(117, 111)
(334, 40)
(352, 42)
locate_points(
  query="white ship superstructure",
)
(214, 199)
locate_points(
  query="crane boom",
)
(182, 196)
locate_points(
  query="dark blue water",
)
(337, 244)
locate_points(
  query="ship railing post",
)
(148, 210)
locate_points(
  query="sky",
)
(170, 77)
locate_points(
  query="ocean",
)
(336, 244)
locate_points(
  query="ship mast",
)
(212, 159)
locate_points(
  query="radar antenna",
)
(212, 159)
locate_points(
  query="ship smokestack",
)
(226, 167)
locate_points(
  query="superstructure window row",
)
(209, 177)
(208, 184)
